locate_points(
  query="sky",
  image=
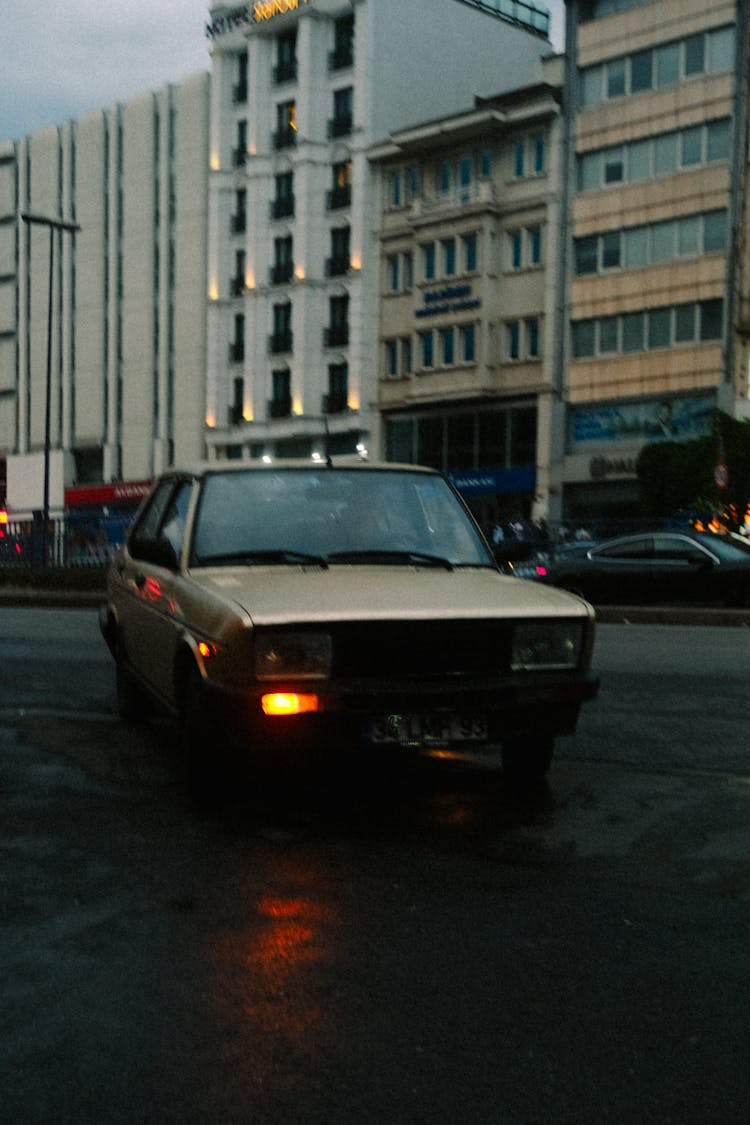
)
(64, 58)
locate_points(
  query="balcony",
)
(285, 71)
(338, 266)
(280, 342)
(341, 126)
(339, 197)
(283, 138)
(341, 57)
(335, 402)
(237, 352)
(280, 407)
(282, 208)
(281, 273)
(336, 336)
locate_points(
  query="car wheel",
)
(204, 760)
(527, 760)
(133, 705)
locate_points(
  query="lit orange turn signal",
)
(289, 703)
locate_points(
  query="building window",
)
(394, 273)
(690, 323)
(280, 403)
(282, 269)
(469, 251)
(448, 246)
(534, 235)
(342, 121)
(514, 339)
(340, 194)
(337, 398)
(337, 332)
(237, 281)
(531, 328)
(428, 261)
(239, 218)
(286, 57)
(339, 261)
(343, 43)
(286, 125)
(282, 206)
(391, 358)
(395, 188)
(237, 347)
(239, 90)
(652, 244)
(239, 153)
(516, 249)
(281, 338)
(447, 347)
(468, 343)
(427, 349)
(661, 155)
(406, 356)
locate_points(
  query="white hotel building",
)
(302, 90)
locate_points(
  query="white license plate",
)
(445, 729)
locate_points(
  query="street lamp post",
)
(71, 228)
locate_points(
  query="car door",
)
(683, 571)
(620, 571)
(150, 618)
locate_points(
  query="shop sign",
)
(448, 299)
(602, 467)
(118, 492)
(648, 420)
(486, 482)
(244, 14)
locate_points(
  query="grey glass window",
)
(586, 250)
(535, 245)
(583, 338)
(608, 334)
(616, 78)
(641, 71)
(519, 158)
(692, 146)
(539, 152)
(514, 340)
(447, 346)
(695, 55)
(468, 343)
(639, 160)
(668, 65)
(516, 249)
(532, 337)
(721, 50)
(632, 332)
(636, 247)
(665, 154)
(710, 319)
(591, 85)
(427, 348)
(589, 172)
(715, 231)
(684, 323)
(614, 165)
(469, 242)
(611, 242)
(718, 134)
(406, 363)
(449, 256)
(662, 242)
(659, 328)
(689, 236)
(428, 261)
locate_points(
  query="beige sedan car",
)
(292, 611)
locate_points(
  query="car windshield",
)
(333, 515)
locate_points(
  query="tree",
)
(680, 476)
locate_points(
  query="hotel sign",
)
(257, 12)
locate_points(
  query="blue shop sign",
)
(485, 482)
(448, 299)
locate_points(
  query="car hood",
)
(294, 594)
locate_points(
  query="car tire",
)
(204, 759)
(133, 705)
(526, 761)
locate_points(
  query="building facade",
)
(115, 312)
(302, 89)
(468, 275)
(655, 333)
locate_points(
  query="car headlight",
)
(546, 644)
(296, 656)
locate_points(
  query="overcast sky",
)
(63, 58)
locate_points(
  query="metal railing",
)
(75, 540)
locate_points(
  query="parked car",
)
(663, 567)
(294, 610)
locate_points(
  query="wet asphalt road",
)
(449, 953)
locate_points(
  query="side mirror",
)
(160, 552)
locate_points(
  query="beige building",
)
(468, 271)
(654, 341)
(127, 358)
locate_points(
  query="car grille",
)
(420, 649)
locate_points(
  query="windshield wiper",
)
(251, 558)
(386, 556)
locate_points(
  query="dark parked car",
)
(300, 608)
(662, 567)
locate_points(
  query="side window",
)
(626, 550)
(175, 519)
(673, 547)
(147, 527)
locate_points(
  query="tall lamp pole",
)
(71, 228)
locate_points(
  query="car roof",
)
(214, 468)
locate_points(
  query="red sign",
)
(98, 495)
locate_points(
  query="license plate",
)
(446, 729)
